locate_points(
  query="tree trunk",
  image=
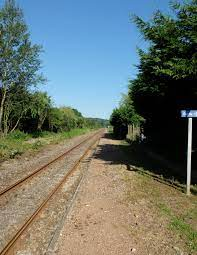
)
(41, 120)
(2, 109)
(5, 122)
(15, 126)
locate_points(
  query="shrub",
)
(18, 135)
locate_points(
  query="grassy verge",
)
(18, 142)
(169, 203)
(156, 168)
(179, 224)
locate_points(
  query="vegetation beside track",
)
(176, 211)
(19, 142)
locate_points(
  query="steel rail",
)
(19, 233)
(12, 186)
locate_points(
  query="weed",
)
(43, 134)
(15, 153)
(164, 209)
(37, 145)
(180, 226)
(3, 146)
(18, 135)
(185, 229)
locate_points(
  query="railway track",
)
(87, 145)
(42, 168)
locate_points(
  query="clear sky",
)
(90, 48)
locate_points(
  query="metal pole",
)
(189, 155)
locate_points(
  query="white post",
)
(189, 155)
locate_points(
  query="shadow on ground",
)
(135, 158)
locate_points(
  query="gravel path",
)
(97, 223)
(103, 222)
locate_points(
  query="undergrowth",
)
(16, 143)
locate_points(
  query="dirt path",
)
(104, 221)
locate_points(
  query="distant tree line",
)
(22, 105)
(167, 77)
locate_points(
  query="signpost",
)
(189, 114)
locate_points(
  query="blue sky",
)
(90, 48)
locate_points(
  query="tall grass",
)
(18, 142)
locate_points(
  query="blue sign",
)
(189, 113)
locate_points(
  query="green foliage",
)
(55, 119)
(173, 42)
(41, 102)
(96, 122)
(18, 135)
(185, 229)
(166, 79)
(19, 65)
(66, 119)
(17, 142)
(178, 224)
(14, 144)
(69, 118)
(75, 132)
(38, 144)
(123, 116)
(42, 134)
(77, 113)
(40, 107)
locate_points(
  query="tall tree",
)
(19, 58)
(166, 82)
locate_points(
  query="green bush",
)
(38, 134)
(18, 135)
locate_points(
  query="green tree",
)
(40, 107)
(17, 104)
(173, 42)
(123, 116)
(19, 58)
(166, 81)
(56, 118)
